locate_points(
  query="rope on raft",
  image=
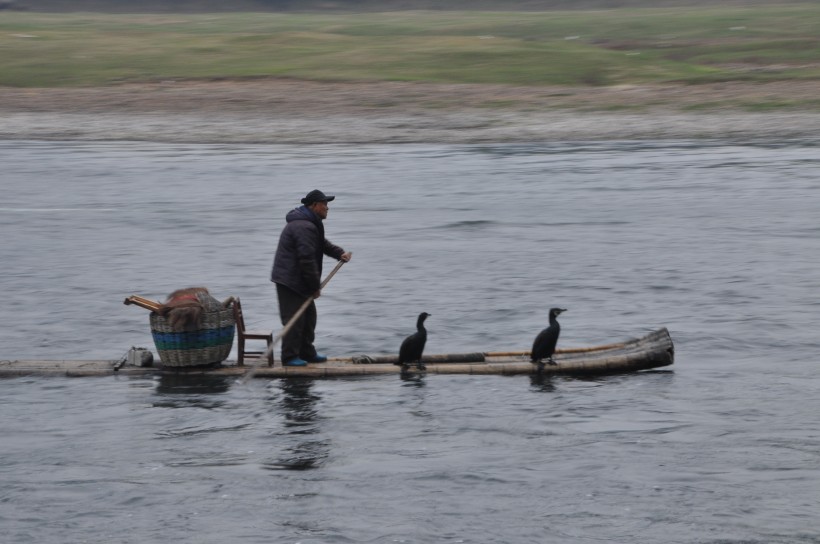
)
(476, 357)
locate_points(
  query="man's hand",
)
(346, 256)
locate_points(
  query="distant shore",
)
(299, 112)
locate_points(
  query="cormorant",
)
(544, 345)
(413, 346)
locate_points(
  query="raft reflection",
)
(192, 384)
(181, 390)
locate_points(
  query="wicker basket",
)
(208, 345)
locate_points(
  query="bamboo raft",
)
(651, 351)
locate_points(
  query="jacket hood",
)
(302, 213)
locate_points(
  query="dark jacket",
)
(302, 244)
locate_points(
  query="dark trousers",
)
(298, 342)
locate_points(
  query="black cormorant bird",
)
(413, 346)
(544, 345)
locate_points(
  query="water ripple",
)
(716, 240)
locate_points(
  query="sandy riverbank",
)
(286, 111)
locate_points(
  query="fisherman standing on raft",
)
(297, 272)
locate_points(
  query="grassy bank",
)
(624, 46)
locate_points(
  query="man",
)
(297, 272)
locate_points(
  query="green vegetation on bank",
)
(622, 46)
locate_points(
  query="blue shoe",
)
(318, 358)
(295, 362)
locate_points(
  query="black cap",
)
(316, 196)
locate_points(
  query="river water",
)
(719, 241)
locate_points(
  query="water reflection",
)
(180, 390)
(192, 384)
(299, 408)
(542, 383)
(299, 404)
(412, 379)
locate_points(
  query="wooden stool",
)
(242, 335)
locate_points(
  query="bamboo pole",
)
(525, 353)
(143, 303)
